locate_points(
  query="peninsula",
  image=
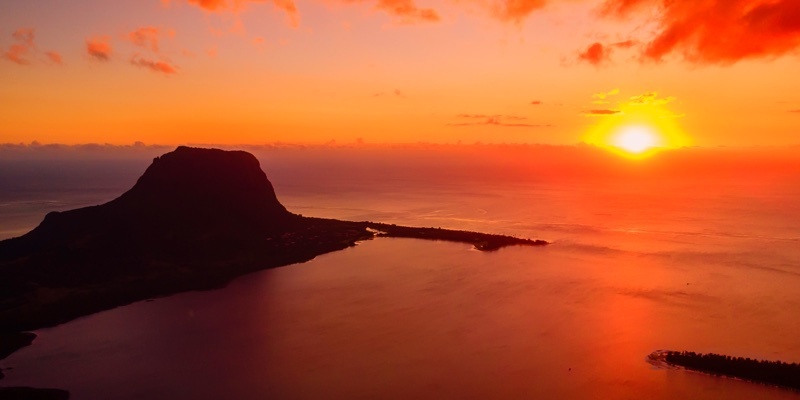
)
(776, 373)
(195, 219)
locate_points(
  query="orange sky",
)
(706, 72)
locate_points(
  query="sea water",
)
(707, 266)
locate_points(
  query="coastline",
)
(10, 343)
(669, 359)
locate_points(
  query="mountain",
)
(195, 219)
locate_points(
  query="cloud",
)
(19, 52)
(495, 120)
(24, 36)
(54, 57)
(603, 112)
(146, 37)
(717, 31)
(647, 104)
(536, 103)
(516, 10)
(154, 65)
(99, 48)
(596, 54)
(794, 111)
(602, 98)
(407, 11)
(650, 99)
(395, 93)
(236, 6)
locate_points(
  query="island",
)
(196, 219)
(776, 373)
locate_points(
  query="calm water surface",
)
(632, 269)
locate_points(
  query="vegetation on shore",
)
(769, 372)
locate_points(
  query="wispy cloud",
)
(648, 102)
(407, 11)
(154, 65)
(147, 37)
(603, 112)
(236, 6)
(602, 98)
(497, 120)
(394, 93)
(650, 98)
(54, 57)
(19, 52)
(25, 52)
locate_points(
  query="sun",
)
(635, 128)
(636, 139)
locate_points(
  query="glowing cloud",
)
(516, 10)
(717, 31)
(595, 54)
(99, 48)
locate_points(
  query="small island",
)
(776, 373)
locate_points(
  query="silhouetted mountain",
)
(189, 191)
(196, 219)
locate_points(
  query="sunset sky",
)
(705, 72)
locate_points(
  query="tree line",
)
(771, 372)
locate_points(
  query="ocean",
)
(638, 263)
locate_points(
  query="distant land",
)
(776, 373)
(196, 219)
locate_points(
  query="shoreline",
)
(665, 359)
(187, 271)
